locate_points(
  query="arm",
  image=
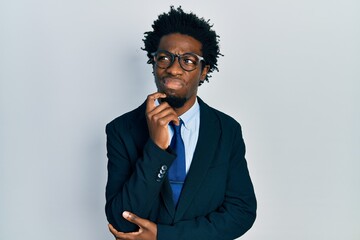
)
(132, 187)
(134, 184)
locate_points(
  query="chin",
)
(175, 101)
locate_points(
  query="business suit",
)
(217, 201)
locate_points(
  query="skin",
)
(147, 229)
(172, 81)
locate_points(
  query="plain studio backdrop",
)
(290, 76)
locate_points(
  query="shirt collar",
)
(189, 115)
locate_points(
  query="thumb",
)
(176, 121)
(131, 217)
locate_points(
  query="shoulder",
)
(127, 119)
(224, 119)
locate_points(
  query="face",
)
(174, 81)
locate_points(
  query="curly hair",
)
(177, 21)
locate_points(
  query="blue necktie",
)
(177, 172)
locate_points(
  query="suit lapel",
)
(209, 135)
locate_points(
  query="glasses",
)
(188, 61)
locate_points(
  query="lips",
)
(173, 83)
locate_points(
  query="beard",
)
(174, 102)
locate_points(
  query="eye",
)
(163, 58)
(189, 59)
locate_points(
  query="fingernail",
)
(126, 214)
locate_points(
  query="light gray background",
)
(290, 76)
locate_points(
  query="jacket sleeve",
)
(132, 184)
(236, 214)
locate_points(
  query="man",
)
(176, 167)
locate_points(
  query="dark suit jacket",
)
(217, 201)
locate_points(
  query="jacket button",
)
(164, 167)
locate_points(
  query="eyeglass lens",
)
(165, 59)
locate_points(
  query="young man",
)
(176, 166)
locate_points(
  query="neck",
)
(188, 104)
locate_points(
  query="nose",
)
(175, 68)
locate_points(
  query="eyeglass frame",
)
(178, 56)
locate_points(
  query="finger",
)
(142, 223)
(176, 121)
(113, 230)
(150, 102)
(160, 112)
(164, 110)
(121, 235)
(159, 108)
(164, 121)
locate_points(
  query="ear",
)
(205, 70)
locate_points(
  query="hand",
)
(147, 229)
(158, 118)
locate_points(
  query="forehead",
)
(180, 43)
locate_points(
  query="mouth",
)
(173, 83)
